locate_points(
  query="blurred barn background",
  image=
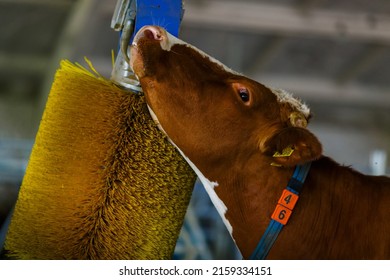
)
(335, 55)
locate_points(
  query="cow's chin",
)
(136, 63)
(139, 73)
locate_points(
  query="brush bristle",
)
(102, 181)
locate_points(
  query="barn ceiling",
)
(335, 55)
(323, 50)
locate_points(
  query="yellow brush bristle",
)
(102, 181)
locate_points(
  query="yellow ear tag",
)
(285, 153)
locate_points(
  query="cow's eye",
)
(244, 94)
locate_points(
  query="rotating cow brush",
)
(102, 181)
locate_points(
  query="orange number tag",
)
(281, 214)
(288, 199)
(285, 206)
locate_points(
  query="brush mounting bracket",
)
(130, 16)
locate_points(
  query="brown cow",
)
(229, 128)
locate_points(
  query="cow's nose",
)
(152, 33)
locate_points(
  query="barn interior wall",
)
(342, 73)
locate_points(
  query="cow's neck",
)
(244, 196)
(250, 194)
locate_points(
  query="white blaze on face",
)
(172, 40)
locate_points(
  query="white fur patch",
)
(172, 40)
(286, 97)
(208, 185)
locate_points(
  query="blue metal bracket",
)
(129, 17)
(164, 13)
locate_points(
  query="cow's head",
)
(213, 113)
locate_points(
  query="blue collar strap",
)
(282, 212)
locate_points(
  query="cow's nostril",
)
(152, 34)
(148, 34)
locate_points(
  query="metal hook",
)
(127, 32)
(123, 20)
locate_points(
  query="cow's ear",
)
(291, 146)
